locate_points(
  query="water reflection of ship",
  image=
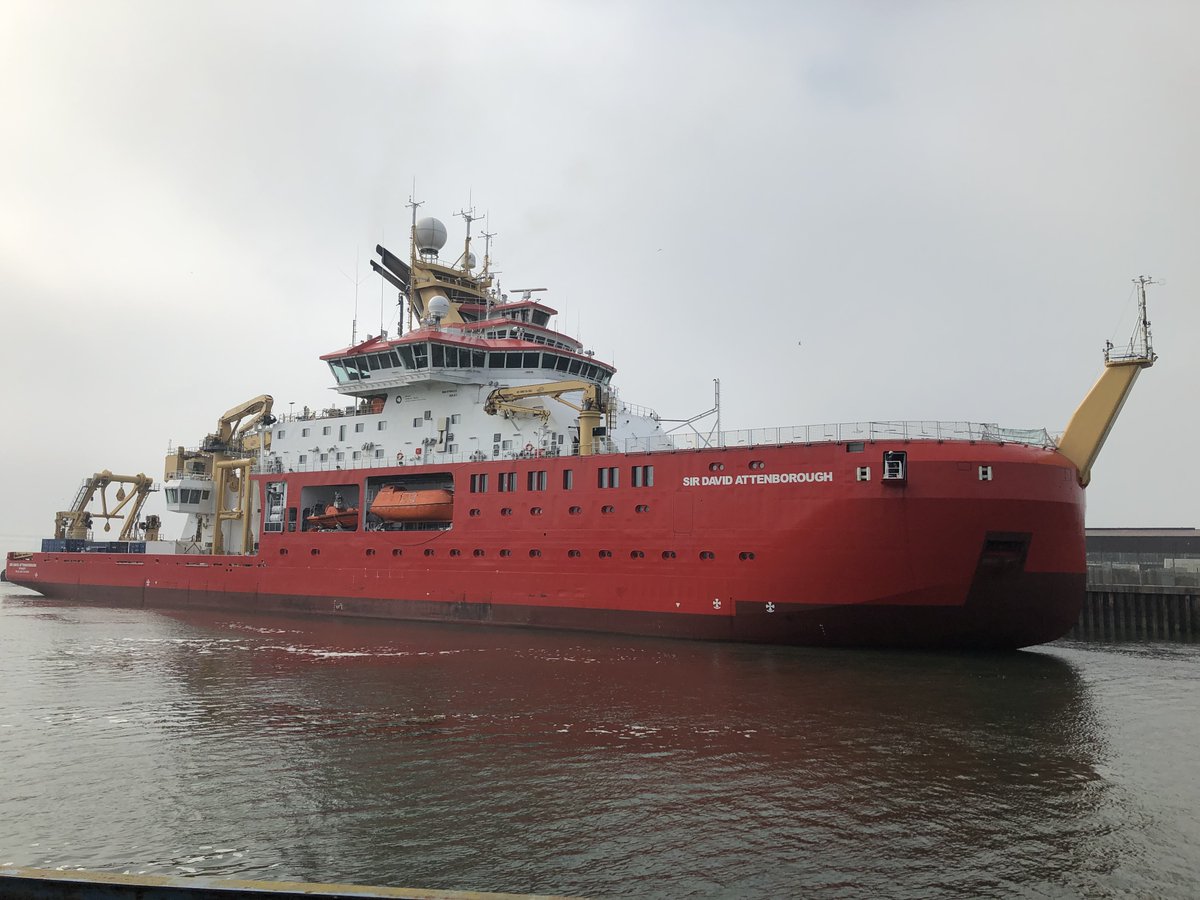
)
(519, 731)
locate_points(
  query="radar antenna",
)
(525, 292)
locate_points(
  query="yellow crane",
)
(593, 408)
(1093, 420)
(75, 522)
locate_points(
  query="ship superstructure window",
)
(379, 453)
(608, 477)
(568, 479)
(507, 481)
(360, 426)
(479, 483)
(304, 432)
(643, 476)
(381, 425)
(303, 458)
(327, 430)
(537, 480)
(418, 422)
(280, 433)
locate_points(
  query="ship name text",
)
(773, 478)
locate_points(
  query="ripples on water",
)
(438, 757)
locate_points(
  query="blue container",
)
(75, 545)
(50, 545)
(137, 546)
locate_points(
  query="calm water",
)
(429, 756)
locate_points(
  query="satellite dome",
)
(439, 306)
(431, 235)
(470, 260)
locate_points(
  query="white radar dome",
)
(431, 235)
(470, 260)
(439, 307)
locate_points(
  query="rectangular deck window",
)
(643, 476)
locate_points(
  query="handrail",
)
(842, 432)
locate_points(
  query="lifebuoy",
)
(400, 457)
(529, 448)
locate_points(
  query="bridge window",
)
(568, 478)
(608, 477)
(537, 480)
(479, 484)
(507, 481)
(643, 476)
(421, 355)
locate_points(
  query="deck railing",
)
(844, 432)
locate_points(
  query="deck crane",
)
(75, 522)
(504, 401)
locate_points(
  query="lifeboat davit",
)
(334, 519)
(395, 504)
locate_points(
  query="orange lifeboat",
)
(395, 504)
(335, 519)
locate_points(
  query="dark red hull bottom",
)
(1004, 610)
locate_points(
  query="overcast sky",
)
(845, 211)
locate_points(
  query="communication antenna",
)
(1140, 346)
(414, 205)
(357, 281)
(468, 216)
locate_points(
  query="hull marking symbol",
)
(716, 604)
(770, 607)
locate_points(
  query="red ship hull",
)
(779, 544)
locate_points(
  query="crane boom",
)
(75, 522)
(591, 410)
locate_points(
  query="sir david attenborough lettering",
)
(773, 478)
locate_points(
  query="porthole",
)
(397, 552)
(477, 553)
(745, 556)
(534, 554)
(456, 553)
(757, 464)
(429, 551)
(315, 552)
(370, 552)
(575, 510)
(283, 551)
(642, 508)
(506, 553)
(608, 510)
(574, 554)
(668, 554)
(605, 554)
(475, 512)
(636, 554)
(716, 467)
(707, 554)
(506, 511)
(535, 510)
